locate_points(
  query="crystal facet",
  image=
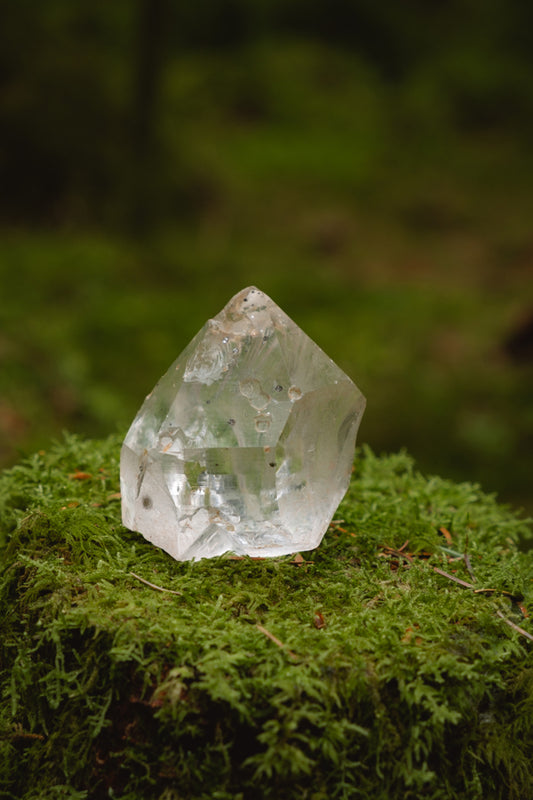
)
(246, 443)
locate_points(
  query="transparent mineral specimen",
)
(246, 444)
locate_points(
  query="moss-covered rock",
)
(355, 671)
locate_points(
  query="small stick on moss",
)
(275, 640)
(510, 595)
(515, 627)
(153, 585)
(391, 551)
(453, 578)
(31, 736)
(486, 591)
(468, 565)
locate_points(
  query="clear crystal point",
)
(246, 444)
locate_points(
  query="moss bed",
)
(354, 671)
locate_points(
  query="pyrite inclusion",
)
(246, 444)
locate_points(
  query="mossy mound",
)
(353, 671)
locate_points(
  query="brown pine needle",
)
(511, 624)
(275, 639)
(453, 578)
(468, 565)
(515, 627)
(153, 585)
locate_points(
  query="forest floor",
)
(392, 661)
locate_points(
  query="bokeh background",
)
(369, 165)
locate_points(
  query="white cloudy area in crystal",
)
(246, 444)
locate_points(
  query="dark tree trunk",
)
(149, 58)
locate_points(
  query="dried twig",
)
(20, 734)
(153, 585)
(276, 641)
(468, 565)
(453, 578)
(515, 627)
(510, 595)
(399, 554)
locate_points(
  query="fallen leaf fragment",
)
(408, 635)
(80, 476)
(447, 535)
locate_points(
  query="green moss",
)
(386, 679)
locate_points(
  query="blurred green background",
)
(369, 165)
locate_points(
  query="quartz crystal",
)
(246, 444)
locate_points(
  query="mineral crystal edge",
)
(246, 444)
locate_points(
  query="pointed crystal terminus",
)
(246, 444)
